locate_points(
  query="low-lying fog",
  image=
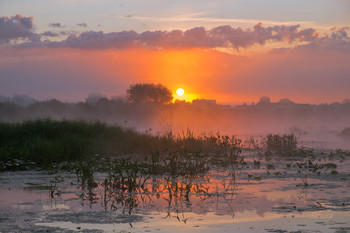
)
(318, 126)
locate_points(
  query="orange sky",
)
(231, 64)
(195, 70)
(302, 75)
(232, 60)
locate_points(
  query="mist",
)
(317, 126)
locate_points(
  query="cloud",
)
(16, 27)
(198, 37)
(206, 20)
(56, 25)
(84, 25)
(338, 39)
(100, 40)
(50, 34)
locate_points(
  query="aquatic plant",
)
(303, 178)
(284, 144)
(303, 152)
(54, 186)
(14, 164)
(85, 173)
(124, 181)
(339, 154)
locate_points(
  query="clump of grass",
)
(338, 153)
(16, 165)
(85, 173)
(54, 187)
(304, 152)
(285, 144)
(334, 172)
(125, 179)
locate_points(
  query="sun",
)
(180, 92)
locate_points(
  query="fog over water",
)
(317, 126)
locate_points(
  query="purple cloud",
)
(199, 37)
(49, 34)
(55, 25)
(338, 39)
(15, 27)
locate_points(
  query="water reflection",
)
(258, 188)
(166, 194)
(235, 189)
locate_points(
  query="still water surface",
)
(264, 194)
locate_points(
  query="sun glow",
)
(181, 95)
(180, 92)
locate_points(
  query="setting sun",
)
(180, 92)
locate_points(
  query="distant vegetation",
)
(147, 121)
(159, 118)
(149, 93)
(345, 133)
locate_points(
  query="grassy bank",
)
(46, 141)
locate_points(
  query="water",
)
(276, 194)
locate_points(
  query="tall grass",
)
(286, 143)
(46, 141)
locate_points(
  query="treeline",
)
(103, 109)
(179, 116)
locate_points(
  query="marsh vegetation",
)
(96, 173)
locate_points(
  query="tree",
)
(285, 101)
(264, 100)
(149, 93)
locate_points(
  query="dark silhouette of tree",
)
(264, 100)
(149, 93)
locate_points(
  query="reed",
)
(45, 141)
(284, 144)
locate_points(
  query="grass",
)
(284, 144)
(170, 167)
(46, 141)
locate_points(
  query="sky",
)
(234, 51)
